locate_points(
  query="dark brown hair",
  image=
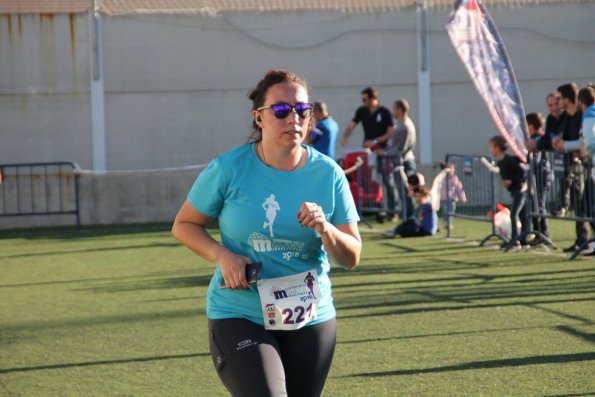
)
(499, 142)
(569, 91)
(258, 94)
(587, 95)
(371, 92)
(536, 120)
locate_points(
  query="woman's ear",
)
(257, 118)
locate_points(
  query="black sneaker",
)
(512, 246)
(524, 244)
(572, 248)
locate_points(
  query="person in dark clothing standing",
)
(574, 182)
(541, 172)
(378, 125)
(553, 123)
(513, 174)
(553, 128)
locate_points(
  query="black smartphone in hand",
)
(252, 273)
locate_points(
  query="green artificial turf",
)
(120, 311)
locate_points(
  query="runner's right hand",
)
(233, 270)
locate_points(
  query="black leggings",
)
(254, 362)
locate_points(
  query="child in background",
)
(411, 182)
(512, 172)
(451, 193)
(425, 220)
(359, 161)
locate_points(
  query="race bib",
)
(290, 302)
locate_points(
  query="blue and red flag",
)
(476, 39)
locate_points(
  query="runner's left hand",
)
(311, 215)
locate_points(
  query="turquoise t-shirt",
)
(257, 208)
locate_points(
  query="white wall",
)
(44, 89)
(176, 85)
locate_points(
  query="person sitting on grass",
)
(425, 219)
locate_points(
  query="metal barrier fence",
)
(378, 184)
(559, 186)
(39, 189)
(479, 184)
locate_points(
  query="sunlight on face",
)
(291, 130)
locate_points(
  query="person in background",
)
(552, 129)
(513, 174)
(423, 223)
(323, 137)
(404, 137)
(553, 123)
(378, 126)
(264, 342)
(451, 193)
(586, 99)
(412, 182)
(542, 172)
(574, 181)
(400, 149)
(586, 147)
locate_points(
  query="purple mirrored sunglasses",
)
(282, 110)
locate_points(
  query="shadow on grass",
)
(489, 364)
(69, 324)
(496, 278)
(389, 264)
(560, 313)
(563, 328)
(68, 233)
(91, 250)
(96, 279)
(338, 287)
(423, 266)
(103, 362)
(466, 291)
(165, 283)
(428, 249)
(429, 309)
(583, 335)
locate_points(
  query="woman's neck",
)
(284, 161)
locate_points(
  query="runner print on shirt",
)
(260, 242)
(270, 206)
